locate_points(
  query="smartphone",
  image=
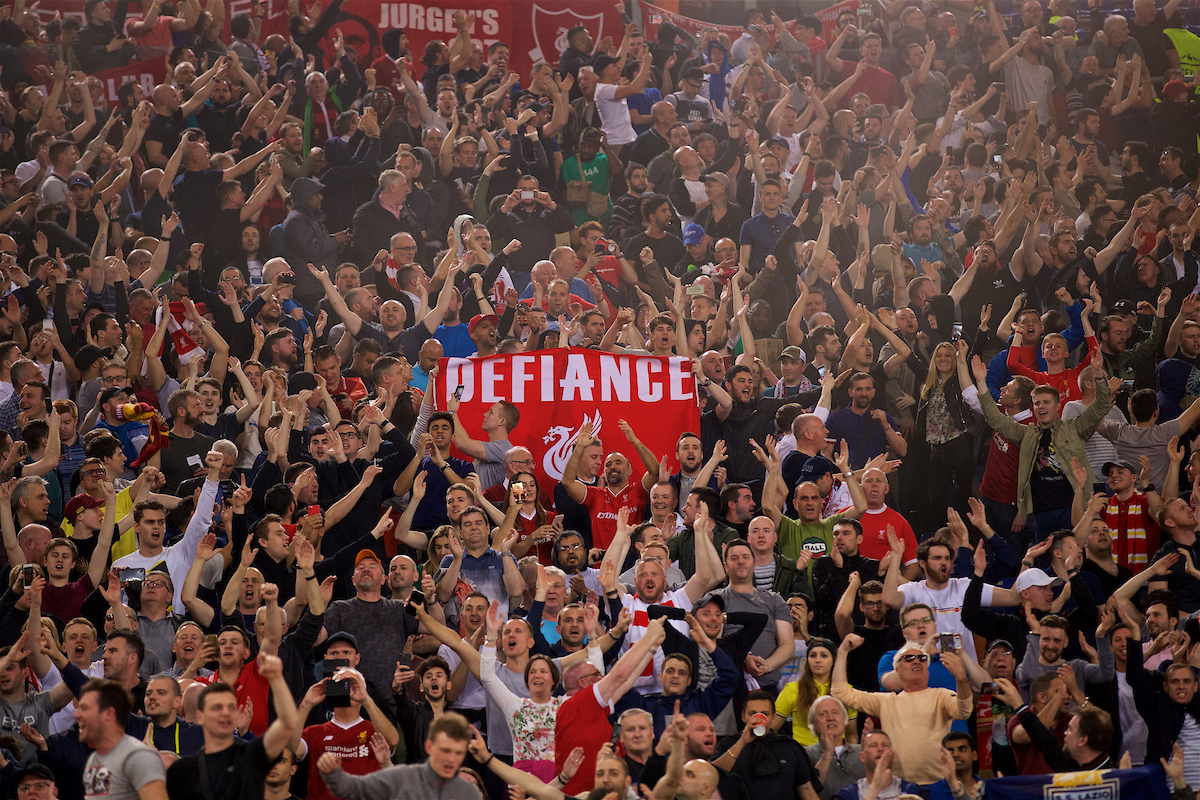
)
(948, 642)
(695, 290)
(49, 406)
(28, 573)
(1100, 487)
(526, 194)
(128, 574)
(287, 279)
(406, 658)
(654, 612)
(211, 640)
(47, 324)
(314, 511)
(1000, 87)
(417, 597)
(997, 159)
(821, 370)
(656, 19)
(518, 492)
(616, 734)
(458, 393)
(989, 687)
(957, 328)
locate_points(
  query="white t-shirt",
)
(648, 683)
(947, 604)
(614, 115)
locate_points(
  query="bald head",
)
(700, 777)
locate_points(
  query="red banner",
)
(558, 390)
(534, 31)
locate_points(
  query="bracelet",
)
(1027, 564)
(612, 595)
(489, 759)
(559, 778)
(311, 578)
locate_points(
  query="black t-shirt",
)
(1049, 483)
(238, 772)
(862, 665)
(1108, 583)
(668, 251)
(998, 287)
(1134, 186)
(218, 124)
(165, 130)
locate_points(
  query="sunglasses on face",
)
(909, 658)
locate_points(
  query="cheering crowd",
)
(934, 271)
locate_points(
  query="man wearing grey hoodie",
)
(307, 241)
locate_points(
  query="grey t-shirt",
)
(491, 468)
(122, 771)
(384, 624)
(35, 709)
(760, 602)
(499, 735)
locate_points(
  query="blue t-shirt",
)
(762, 233)
(456, 341)
(864, 436)
(930, 252)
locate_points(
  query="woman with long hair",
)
(798, 696)
(534, 523)
(437, 549)
(944, 417)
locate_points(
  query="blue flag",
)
(1144, 783)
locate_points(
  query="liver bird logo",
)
(561, 441)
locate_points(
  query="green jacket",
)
(682, 545)
(1068, 437)
(1128, 361)
(789, 580)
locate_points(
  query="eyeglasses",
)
(575, 546)
(92, 473)
(33, 786)
(349, 435)
(521, 461)
(111, 378)
(913, 623)
(917, 657)
(872, 603)
(154, 585)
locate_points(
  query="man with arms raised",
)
(918, 716)
(225, 768)
(615, 492)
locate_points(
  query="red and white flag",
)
(178, 328)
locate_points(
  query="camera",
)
(337, 692)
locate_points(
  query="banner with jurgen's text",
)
(534, 30)
(559, 390)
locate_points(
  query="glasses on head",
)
(154, 585)
(909, 658)
(913, 623)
